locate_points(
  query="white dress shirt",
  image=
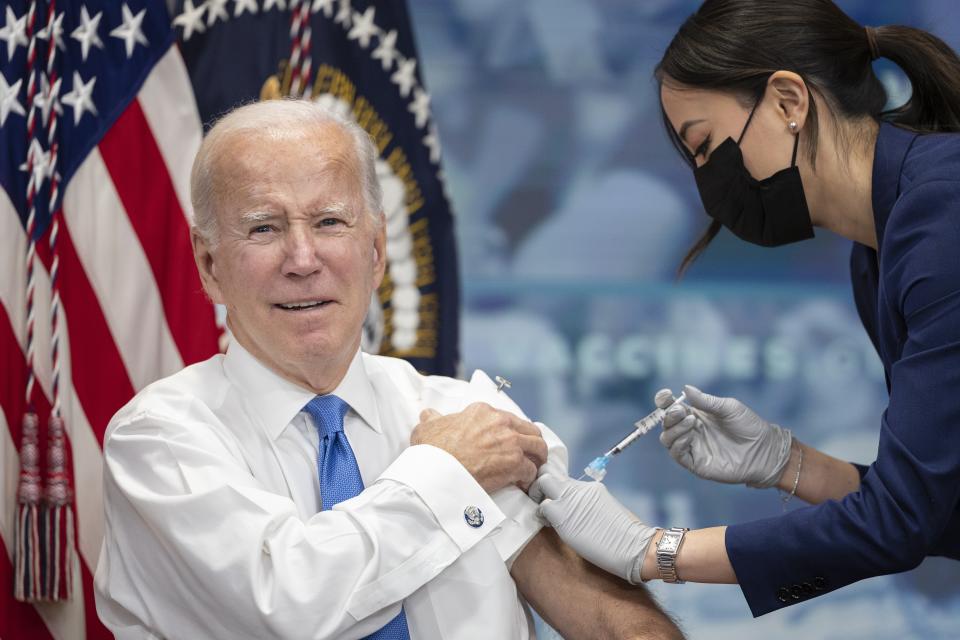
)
(214, 528)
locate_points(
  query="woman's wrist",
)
(789, 477)
(702, 557)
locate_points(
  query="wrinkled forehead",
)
(287, 170)
(319, 146)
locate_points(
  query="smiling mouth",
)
(302, 306)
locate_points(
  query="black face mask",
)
(769, 212)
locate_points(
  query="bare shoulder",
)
(582, 601)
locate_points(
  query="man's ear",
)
(380, 251)
(204, 258)
(791, 95)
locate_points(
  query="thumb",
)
(429, 414)
(551, 512)
(663, 399)
(706, 402)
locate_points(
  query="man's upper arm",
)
(582, 601)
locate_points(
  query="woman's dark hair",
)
(735, 45)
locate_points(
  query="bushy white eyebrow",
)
(334, 207)
(253, 217)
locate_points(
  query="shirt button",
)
(473, 516)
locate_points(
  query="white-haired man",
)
(298, 488)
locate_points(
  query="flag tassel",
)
(27, 549)
(58, 507)
(46, 530)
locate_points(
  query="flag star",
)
(14, 32)
(269, 4)
(343, 14)
(386, 51)
(48, 98)
(404, 77)
(326, 5)
(432, 142)
(216, 9)
(38, 164)
(86, 33)
(420, 107)
(80, 99)
(54, 28)
(245, 5)
(131, 31)
(363, 27)
(191, 19)
(8, 99)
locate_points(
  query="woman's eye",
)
(703, 148)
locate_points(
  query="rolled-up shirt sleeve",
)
(908, 497)
(199, 548)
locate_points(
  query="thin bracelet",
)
(796, 482)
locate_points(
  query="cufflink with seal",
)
(473, 516)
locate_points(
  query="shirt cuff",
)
(461, 506)
(861, 469)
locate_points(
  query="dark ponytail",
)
(933, 69)
(735, 45)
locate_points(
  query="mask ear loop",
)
(796, 145)
(749, 118)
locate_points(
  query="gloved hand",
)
(722, 439)
(599, 528)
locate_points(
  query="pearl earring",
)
(793, 127)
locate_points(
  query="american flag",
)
(101, 111)
(98, 127)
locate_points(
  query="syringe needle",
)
(597, 469)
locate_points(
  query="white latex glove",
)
(722, 439)
(599, 528)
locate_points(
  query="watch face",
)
(668, 542)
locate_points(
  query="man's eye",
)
(262, 228)
(703, 148)
(329, 222)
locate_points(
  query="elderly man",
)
(298, 488)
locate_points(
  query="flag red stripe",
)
(95, 628)
(99, 376)
(146, 191)
(14, 379)
(18, 621)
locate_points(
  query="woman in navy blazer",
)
(745, 86)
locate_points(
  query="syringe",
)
(598, 468)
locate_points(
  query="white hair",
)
(275, 118)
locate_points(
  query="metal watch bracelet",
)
(667, 549)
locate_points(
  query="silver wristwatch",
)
(667, 549)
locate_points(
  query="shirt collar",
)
(276, 401)
(893, 143)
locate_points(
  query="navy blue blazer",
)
(908, 297)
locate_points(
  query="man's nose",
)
(301, 253)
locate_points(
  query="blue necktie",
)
(340, 479)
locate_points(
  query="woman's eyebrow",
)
(686, 125)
